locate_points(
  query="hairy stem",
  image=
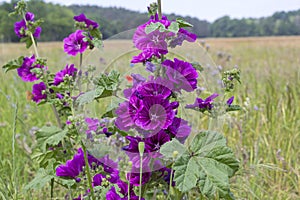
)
(141, 175)
(159, 9)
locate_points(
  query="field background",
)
(265, 135)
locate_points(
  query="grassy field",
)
(265, 135)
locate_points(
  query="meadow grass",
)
(265, 135)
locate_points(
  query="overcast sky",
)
(202, 9)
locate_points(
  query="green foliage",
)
(42, 177)
(50, 135)
(206, 163)
(105, 85)
(168, 149)
(13, 64)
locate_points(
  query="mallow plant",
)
(145, 145)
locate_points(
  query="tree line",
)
(59, 22)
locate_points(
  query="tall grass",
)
(265, 135)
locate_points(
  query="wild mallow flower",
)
(88, 22)
(25, 71)
(75, 43)
(156, 113)
(68, 70)
(73, 167)
(206, 104)
(230, 100)
(148, 107)
(181, 36)
(179, 129)
(182, 74)
(38, 92)
(21, 26)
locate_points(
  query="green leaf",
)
(186, 172)
(87, 97)
(174, 27)
(42, 177)
(197, 66)
(208, 163)
(183, 23)
(108, 81)
(167, 149)
(205, 141)
(50, 135)
(154, 26)
(13, 64)
(233, 108)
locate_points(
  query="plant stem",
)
(170, 185)
(80, 72)
(52, 187)
(88, 171)
(141, 175)
(159, 9)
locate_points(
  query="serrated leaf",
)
(97, 43)
(213, 161)
(182, 23)
(174, 27)
(13, 64)
(50, 135)
(108, 81)
(186, 172)
(205, 141)
(167, 149)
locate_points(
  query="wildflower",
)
(21, 26)
(89, 23)
(179, 128)
(205, 104)
(182, 74)
(25, 71)
(181, 36)
(75, 43)
(38, 92)
(230, 100)
(73, 167)
(68, 70)
(156, 113)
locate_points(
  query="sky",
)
(203, 9)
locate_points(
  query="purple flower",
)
(38, 92)
(230, 100)
(89, 23)
(182, 35)
(97, 179)
(93, 125)
(145, 56)
(68, 70)
(152, 44)
(75, 43)
(150, 67)
(123, 189)
(156, 113)
(154, 143)
(25, 70)
(205, 104)
(155, 87)
(180, 129)
(73, 167)
(21, 28)
(182, 74)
